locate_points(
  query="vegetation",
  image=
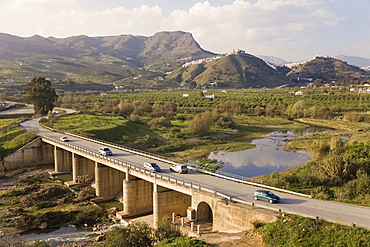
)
(12, 137)
(37, 201)
(41, 95)
(135, 234)
(298, 231)
(140, 234)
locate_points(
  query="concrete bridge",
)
(227, 204)
(142, 192)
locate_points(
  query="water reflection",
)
(267, 157)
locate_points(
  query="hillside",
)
(117, 59)
(328, 69)
(142, 62)
(238, 70)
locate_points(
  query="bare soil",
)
(243, 239)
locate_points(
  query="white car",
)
(105, 151)
(180, 168)
(151, 166)
(64, 139)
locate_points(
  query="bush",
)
(352, 117)
(137, 234)
(167, 229)
(199, 125)
(183, 242)
(159, 122)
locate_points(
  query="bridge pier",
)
(137, 196)
(83, 169)
(62, 160)
(167, 201)
(108, 181)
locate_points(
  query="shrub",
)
(352, 117)
(135, 234)
(183, 242)
(199, 125)
(167, 229)
(159, 122)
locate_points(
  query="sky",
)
(293, 30)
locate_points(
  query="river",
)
(267, 157)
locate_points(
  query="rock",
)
(99, 238)
(43, 225)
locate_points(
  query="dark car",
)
(266, 195)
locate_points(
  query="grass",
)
(298, 231)
(37, 198)
(12, 137)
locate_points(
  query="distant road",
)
(26, 109)
(328, 210)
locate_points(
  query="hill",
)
(327, 69)
(237, 70)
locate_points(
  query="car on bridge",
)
(265, 195)
(105, 151)
(180, 168)
(152, 166)
(64, 139)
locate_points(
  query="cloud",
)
(221, 28)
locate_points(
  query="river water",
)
(68, 234)
(267, 157)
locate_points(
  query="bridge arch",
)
(204, 212)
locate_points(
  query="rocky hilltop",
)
(327, 69)
(235, 70)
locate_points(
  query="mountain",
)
(273, 60)
(166, 59)
(106, 59)
(236, 70)
(327, 69)
(357, 61)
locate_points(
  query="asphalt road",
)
(332, 211)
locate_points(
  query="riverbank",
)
(30, 199)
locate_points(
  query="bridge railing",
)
(249, 181)
(124, 148)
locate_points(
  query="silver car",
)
(180, 168)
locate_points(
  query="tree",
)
(296, 110)
(41, 95)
